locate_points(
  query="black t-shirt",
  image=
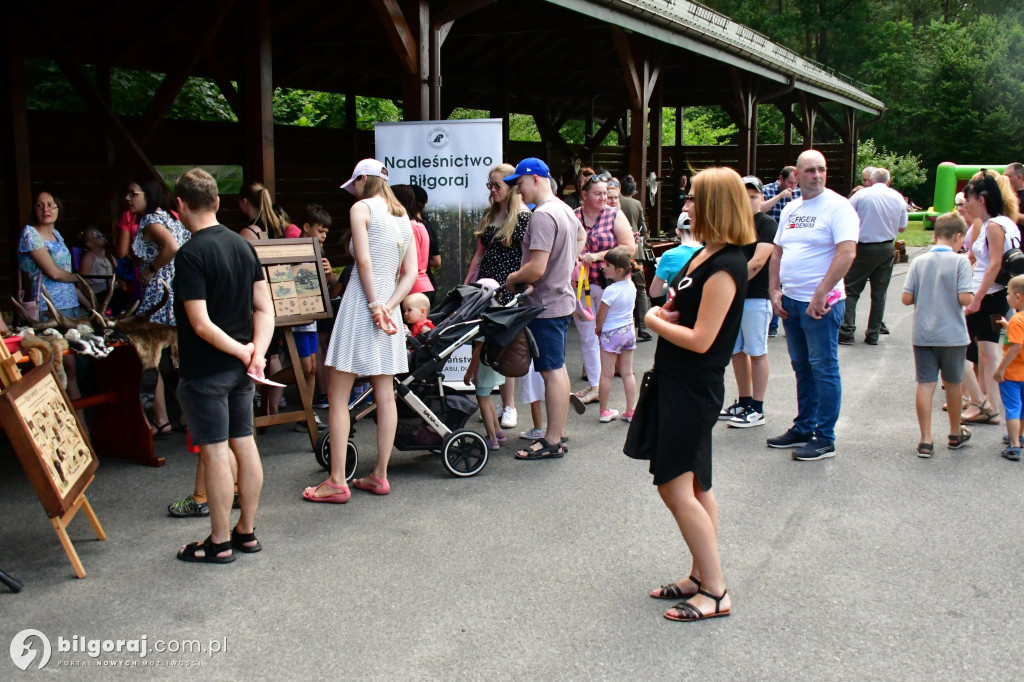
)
(689, 287)
(219, 267)
(765, 227)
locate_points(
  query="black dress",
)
(691, 386)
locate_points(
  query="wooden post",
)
(14, 123)
(641, 74)
(258, 97)
(745, 100)
(809, 108)
(654, 225)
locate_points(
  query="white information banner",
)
(451, 161)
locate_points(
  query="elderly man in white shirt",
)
(883, 215)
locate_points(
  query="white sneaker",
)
(509, 418)
(749, 417)
(532, 434)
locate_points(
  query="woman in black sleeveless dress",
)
(696, 332)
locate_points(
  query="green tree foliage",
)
(906, 170)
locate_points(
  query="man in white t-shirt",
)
(883, 215)
(814, 247)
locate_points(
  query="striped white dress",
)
(357, 345)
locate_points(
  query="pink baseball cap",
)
(366, 167)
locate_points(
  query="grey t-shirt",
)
(936, 279)
(553, 228)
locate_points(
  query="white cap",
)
(366, 167)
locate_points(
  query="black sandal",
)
(210, 551)
(958, 441)
(673, 591)
(163, 431)
(238, 541)
(689, 612)
(545, 451)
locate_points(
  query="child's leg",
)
(925, 393)
(1013, 410)
(489, 414)
(537, 415)
(607, 374)
(628, 379)
(952, 394)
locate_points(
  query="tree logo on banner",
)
(438, 137)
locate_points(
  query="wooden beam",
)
(402, 38)
(186, 62)
(223, 82)
(657, 113)
(832, 123)
(17, 168)
(456, 9)
(809, 106)
(791, 119)
(630, 69)
(745, 95)
(416, 87)
(257, 93)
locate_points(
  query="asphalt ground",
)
(873, 565)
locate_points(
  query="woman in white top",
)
(985, 201)
(369, 336)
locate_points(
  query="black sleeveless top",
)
(689, 287)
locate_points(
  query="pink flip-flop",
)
(377, 486)
(340, 497)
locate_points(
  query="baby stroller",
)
(429, 417)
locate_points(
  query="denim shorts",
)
(306, 343)
(217, 407)
(617, 340)
(753, 336)
(551, 335)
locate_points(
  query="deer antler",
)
(160, 304)
(54, 313)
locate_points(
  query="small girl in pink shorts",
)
(615, 331)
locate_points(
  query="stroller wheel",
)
(323, 454)
(465, 453)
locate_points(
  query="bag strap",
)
(583, 284)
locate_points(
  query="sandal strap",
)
(242, 537)
(688, 611)
(717, 600)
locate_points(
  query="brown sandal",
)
(986, 415)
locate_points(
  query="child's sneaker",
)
(608, 415)
(532, 434)
(627, 416)
(493, 444)
(188, 507)
(1011, 453)
(500, 437)
(320, 401)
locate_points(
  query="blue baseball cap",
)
(530, 166)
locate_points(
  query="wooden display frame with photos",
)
(298, 285)
(54, 450)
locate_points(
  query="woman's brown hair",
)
(374, 186)
(722, 208)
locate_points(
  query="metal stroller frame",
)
(463, 451)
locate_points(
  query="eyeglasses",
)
(51, 207)
(495, 185)
(690, 197)
(603, 177)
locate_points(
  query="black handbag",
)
(642, 437)
(1013, 265)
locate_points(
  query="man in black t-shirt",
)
(750, 354)
(225, 321)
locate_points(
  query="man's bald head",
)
(811, 170)
(880, 175)
(809, 156)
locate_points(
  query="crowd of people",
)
(749, 255)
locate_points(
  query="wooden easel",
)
(305, 394)
(10, 374)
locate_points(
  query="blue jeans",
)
(814, 351)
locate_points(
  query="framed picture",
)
(296, 278)
(50, 440)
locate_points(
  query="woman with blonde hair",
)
(499, 253)
(257, 206)
(369, 336)
(696, 331)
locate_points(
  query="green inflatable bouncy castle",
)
(949, 179)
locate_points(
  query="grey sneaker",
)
(790, 439)
(733, 410)
(188, 507)
(815, 449)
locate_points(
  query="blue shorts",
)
(306, 343)
(551, 335)
(753, 336)
(1011, 393)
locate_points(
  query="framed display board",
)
(296, 277)
(50, 441)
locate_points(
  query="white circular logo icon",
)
(438, 137)
(23, 653)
